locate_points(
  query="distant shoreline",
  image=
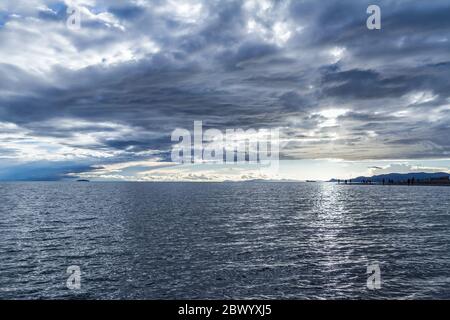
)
(394, 184)
(237, 182)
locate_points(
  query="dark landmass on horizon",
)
(412, 178)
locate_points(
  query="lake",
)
(223, 240)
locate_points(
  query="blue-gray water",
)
(230, 240)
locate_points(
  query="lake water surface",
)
(223, 240)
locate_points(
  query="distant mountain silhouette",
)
(398, 177)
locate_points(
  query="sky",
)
(101, 101)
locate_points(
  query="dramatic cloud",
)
(86, 101)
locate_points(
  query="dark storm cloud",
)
(136, 71)
(406, 25)
(372, 84)
(368, 84)
(42, 170)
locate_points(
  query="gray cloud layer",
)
(114, 90)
